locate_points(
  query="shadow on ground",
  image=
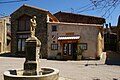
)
(12, 55)
(113, 58)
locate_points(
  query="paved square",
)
(75, 70)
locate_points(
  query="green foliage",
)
(80, 51)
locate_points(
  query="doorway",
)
(69, 51)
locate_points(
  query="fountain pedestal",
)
(32, 69)
(32, 63)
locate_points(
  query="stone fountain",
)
(32, 69)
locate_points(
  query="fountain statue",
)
(33, 26)
(32, 69)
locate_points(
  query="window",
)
(24, 23)
(54, 46)
(83, 46)
(54, 28)
(21, 42)
(69, 49)
(53, 41)
(65, 49)
(8, 27)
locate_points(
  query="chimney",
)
(106, 26)
(118, 21)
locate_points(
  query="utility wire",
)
(12, 1)
(113, 10)
(108, 6)
(83, 7)
(2, 15)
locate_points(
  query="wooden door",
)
(69, 51)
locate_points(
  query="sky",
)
(54, 6)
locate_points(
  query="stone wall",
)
(41, 29)
(3, 35)
(88, 34)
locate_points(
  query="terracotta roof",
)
(54, 19)
(25, 5)
(78, 18)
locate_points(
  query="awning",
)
(69, 38)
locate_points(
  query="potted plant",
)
(58, 56)
(79, 54)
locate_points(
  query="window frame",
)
(65, 47)
(54, 46)
(24, 23)
(85, 45)
(69, 49)
(21, 38)
(54, 28)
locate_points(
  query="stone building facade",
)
(5, 34)
(74, 35)
(68, 37)
(61, 33)
(20, 22)
(110, 38)
(118, 34)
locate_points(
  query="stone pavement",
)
(72, 70)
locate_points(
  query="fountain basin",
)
(46, 73)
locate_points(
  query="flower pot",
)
(79, 57)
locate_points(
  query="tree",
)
(106, 6)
